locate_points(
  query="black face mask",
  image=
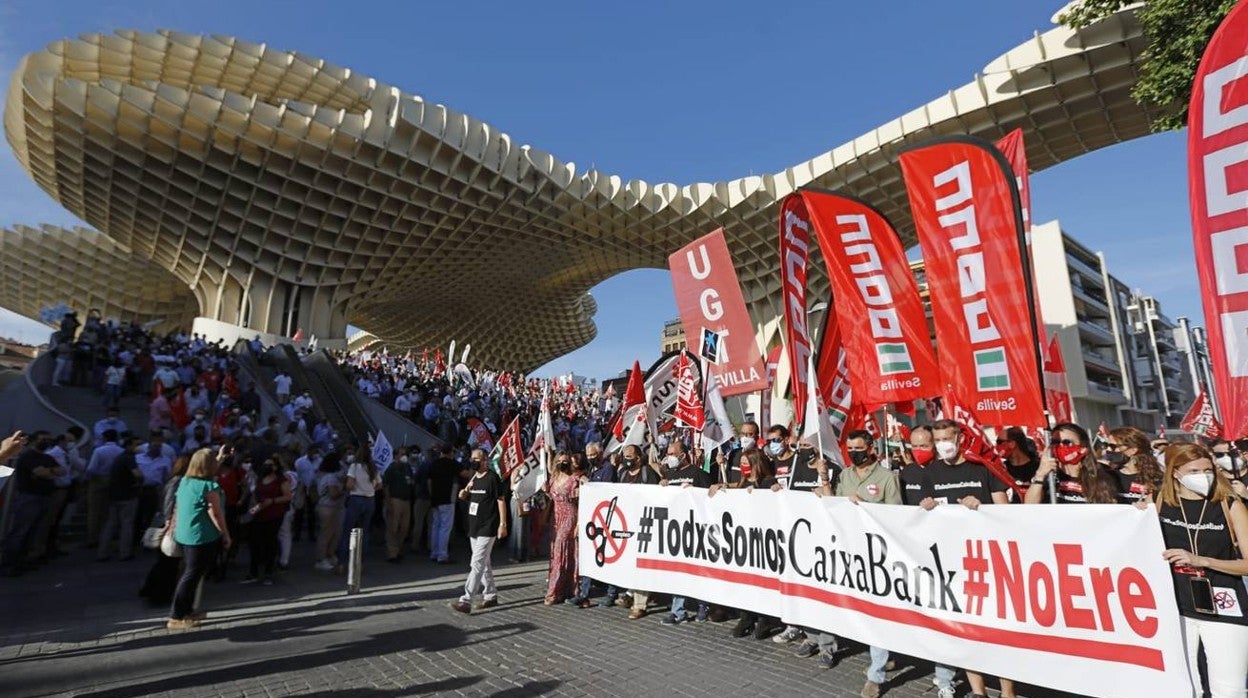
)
(630, 462)
(860, 457)
(1115, 458)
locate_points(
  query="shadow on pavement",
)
(433, 638)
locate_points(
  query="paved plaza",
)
(77, 628)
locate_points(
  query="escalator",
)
(262, 378)
(331, 392)
(399, 430)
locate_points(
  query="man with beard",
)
(598, 469)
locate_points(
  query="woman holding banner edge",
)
(1205, 529)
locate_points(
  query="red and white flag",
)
(713, 313)
(632, 414)
(795, 230)
(509, 449)
(967, 216)
(689, 409)
(1217, 146)
(978, 447)
(878, 307)
(1201, 420)
(1161, 432)
(764, 408)
(1056, 388)
(833, 374)
(1102, 432)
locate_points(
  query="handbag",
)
(154, 533)
(169, 546)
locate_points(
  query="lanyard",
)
(1193, 539)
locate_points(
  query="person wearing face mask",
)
(1159, 450)
(731, 464)
(635, 471)
(758, 475)
(305, 469)
(952, 479)
(487, 522)
(1229, 460)
(913, 475)
(329, 507)
(1205, 529)
(124, 484)
(399, 482)
(1080, 479)
(678, 470)
(361, 486)
(563, 488)
(271, 495)
(865, 481)
(807, 472)
(777, 450)
(599, 469)
(1131, 463)
(1020, 457)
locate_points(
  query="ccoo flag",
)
(966, 213)
(712, 311)
(878, 308)
(1217, 148)
(794, 265)
(1201, 420)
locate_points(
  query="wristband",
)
(1034, 481)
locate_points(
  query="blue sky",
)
(677, 92)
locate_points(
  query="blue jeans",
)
(944, 676)
(879, 657)
(679, 603)
(586, 582)
(358, 513)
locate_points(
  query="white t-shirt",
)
(364, 486)
(281, 383)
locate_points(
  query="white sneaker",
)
(789, 635)
(324, 566)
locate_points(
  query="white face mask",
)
(1200, 483)
(946, 450)
(350, 460)
(775, 449)
(671, 462)
(1226, 463)
(747, 442)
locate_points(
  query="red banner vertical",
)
(764, 406)
(966, 212)
(832, 370)
(1056, 387)
(794, 263)
(1012, 147)
(712, 311)
(1200, 419)
(878, 307)
(1217, 146)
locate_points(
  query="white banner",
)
(1076, 598)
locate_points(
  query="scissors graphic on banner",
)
(608, 543)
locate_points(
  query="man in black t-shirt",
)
(442, 477)
(33, 475)
(678, 470)
(487, 522)
(955, 480)
(634, 470)
(915, 489)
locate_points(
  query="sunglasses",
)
(1113, 447)
(1063, 442)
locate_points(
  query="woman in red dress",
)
(564, 490)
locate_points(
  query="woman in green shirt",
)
(199, 527)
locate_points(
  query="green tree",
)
(1177, 32)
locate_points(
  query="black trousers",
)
(262, 540)
(199, 559)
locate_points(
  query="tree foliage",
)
(1177, 32)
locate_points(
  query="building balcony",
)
(1104, 392)
(1093, 332)
(1091, 299)
(1077, 265)
(1106, 362)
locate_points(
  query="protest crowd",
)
(204, 477)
